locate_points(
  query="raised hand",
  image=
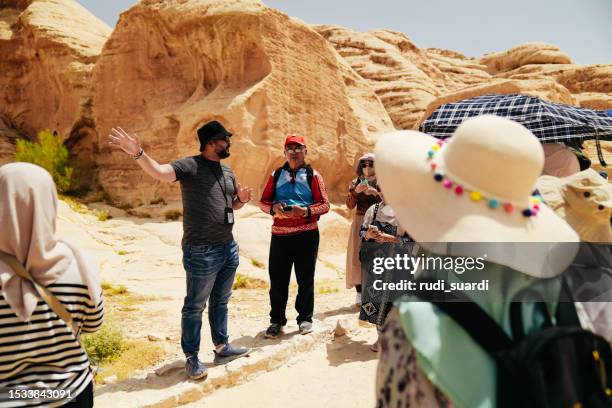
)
(120, 138)
(244, 193)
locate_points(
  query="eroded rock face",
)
(48, 49)
(171, 66)
(400, 73)
(524, 54)
(412, 82)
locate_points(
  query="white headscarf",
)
(28, 213)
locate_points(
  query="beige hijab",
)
(28, 212)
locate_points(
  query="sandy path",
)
(145, 256)
(339, 374)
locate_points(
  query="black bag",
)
(363, 256)
(558, 366)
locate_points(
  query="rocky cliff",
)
(412, 82)
(170, 66)
(48, 49)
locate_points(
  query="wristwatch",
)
(140, 153)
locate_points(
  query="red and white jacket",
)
(290, 226)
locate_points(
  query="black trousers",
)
(84, 400)
(300, 251)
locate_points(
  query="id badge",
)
(229, 215)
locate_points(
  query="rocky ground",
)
(143, 255)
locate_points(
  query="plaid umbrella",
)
(548, 121)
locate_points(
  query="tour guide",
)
(210, 255)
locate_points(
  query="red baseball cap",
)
(295, 139)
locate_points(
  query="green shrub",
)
(173, 215)
(103, 215)
(105, 345)
(246, 282)
(110, 289)
(51, 154)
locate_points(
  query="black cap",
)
(211, 131)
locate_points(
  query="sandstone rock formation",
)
(170, 66)
(48, 49)
(524, 54)
(400, 73)
(412, 82)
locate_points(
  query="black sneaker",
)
(305, 327)
(195, 368)
(273, 331)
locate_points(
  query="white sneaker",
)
(358, 299)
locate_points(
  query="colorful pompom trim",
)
(535, 200)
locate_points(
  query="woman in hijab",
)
(363, 193)
(38, 348)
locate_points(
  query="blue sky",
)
(581, 28)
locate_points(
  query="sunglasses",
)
(295, 150)
(365, 164)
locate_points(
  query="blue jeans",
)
(210, 274)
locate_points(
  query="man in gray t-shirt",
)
(210, 254)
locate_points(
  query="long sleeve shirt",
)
(295, 191)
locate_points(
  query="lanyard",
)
(223, 190)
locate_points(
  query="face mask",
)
(369, 172)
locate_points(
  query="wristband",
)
(140, 153)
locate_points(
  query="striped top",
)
(44, 353)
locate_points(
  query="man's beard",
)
(223, 153)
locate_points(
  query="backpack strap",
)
(376, 207)
(566, 310)
(277, 174)
(476, 322)
(309, 175)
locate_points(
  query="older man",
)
(210, 254)
(295, 196)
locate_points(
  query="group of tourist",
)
(414, 189)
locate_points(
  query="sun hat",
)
(475, 188)
(584, 200)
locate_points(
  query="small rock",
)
(339, 331)
(110, 379)
(176, 365)
(153, 337)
